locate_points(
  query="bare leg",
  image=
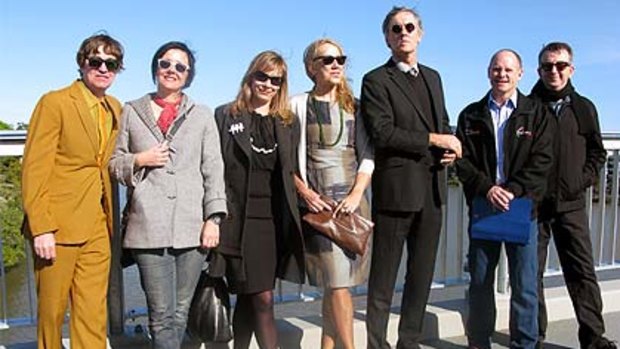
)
(328, 338)
(342, 316)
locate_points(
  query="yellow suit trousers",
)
(80, 274)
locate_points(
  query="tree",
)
(11, 214)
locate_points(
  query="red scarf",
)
(168, 114)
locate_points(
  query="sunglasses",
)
(397, 28)
(548, 66)
(110, 63)
(328, 60)
(262, 77)
(166, 64)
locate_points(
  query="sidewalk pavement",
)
(443, 323)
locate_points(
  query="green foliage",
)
(11, 214)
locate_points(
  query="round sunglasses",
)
(397, 28)
(164, 64)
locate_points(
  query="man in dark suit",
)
(579, 155)
(403, 109)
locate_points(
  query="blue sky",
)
(39, 40)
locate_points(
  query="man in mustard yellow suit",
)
(68, 200)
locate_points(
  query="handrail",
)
(451, 260)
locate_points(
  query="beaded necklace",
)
(262, 150)
(318, 121)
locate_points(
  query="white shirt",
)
(499, 116)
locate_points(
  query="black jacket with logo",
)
(579, 155)
(528, 149)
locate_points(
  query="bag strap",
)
(175, 127)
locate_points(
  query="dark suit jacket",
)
(404, 161)
(237, 155)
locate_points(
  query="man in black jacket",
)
(579, 155)
(507, 151)
(403, 109)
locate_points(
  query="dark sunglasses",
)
(262, 77)
(548, 66)
(166, 64)
(96, 62)
(328, 60)
(397, 28)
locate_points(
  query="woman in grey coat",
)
(168, 155)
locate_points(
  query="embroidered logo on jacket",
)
(521, 131)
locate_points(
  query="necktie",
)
(414, 72)
(102, 130)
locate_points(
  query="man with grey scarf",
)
(579, 155)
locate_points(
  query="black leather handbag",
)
(209, 314)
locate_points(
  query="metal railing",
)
(450, 269)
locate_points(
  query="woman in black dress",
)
(261, 238)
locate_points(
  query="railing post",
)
(3, 321)
(116, 297)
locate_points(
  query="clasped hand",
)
(156, 156)
(500, 198)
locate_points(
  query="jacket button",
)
(170, 172)
(172, 197)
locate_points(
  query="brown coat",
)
(63, 186)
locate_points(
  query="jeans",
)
(522, 265)
(168, 277)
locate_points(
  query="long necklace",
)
(261, 150)
(318, 121)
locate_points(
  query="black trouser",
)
(572, 240)
(420, 230)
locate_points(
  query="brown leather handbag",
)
(349, 231)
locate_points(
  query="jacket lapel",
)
(434, 91)
(523, 109)
(115, 122)
(145, 112)
(239, 129)
(400, 80)
(85, 117)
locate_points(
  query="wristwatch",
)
(216, 219)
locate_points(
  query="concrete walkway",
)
(443, 324)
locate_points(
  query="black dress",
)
(258, 262)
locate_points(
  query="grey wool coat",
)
(168, 205)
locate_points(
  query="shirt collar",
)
(406, 68)
(90, 98)
(511, 102)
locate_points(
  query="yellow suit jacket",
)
(64, 189)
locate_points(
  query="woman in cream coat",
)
(335, 160)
